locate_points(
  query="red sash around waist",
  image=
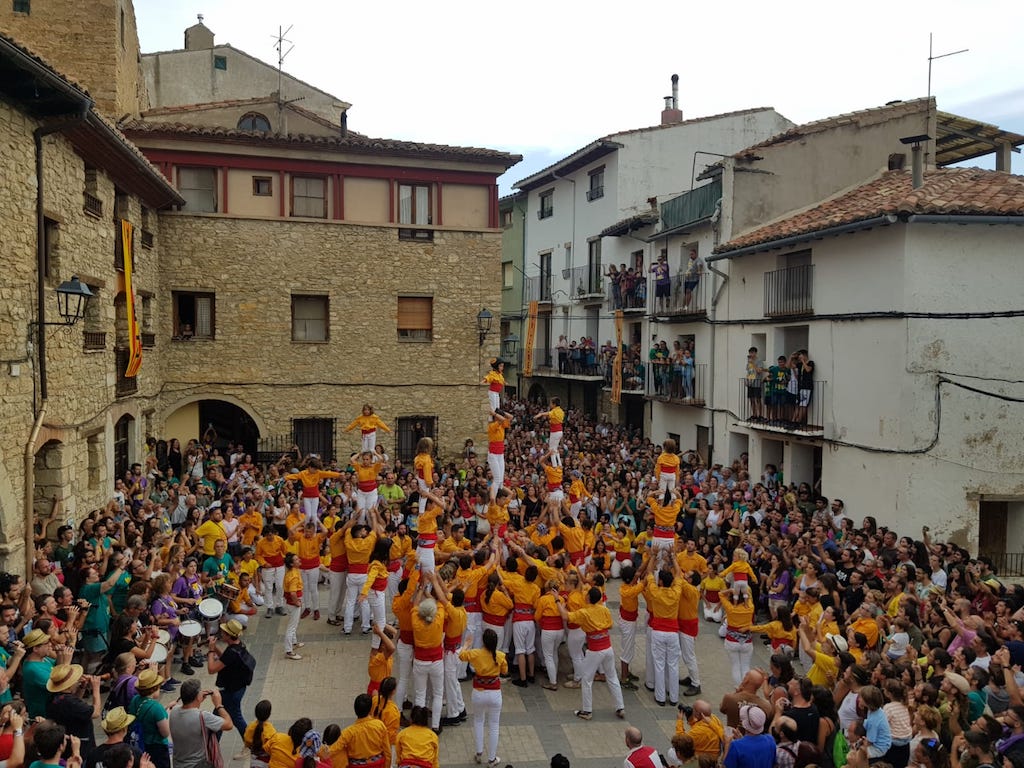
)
(664, 625)
(556, 427)
(379, 584)
(627, 615)
(495, 386)
(405, 636)
(577, 558)
(494, 619)
(308, 563)
(415, 762)
(395, 565)
(274, 561)
(339, 564)
(369, 431)
(427, 540)
(358, 567)
(664, 532)
(487, 683)
(496, 447)
(552, 487)
(472, 605)
(551, 623)
(366, 486)
(522, 612)
(689, 627)
(428, 654)
(599, 641)
(311, 491)
(374, 761)
(452, 643)
(712, 596)
(623, 557)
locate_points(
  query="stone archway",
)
(536, 394)
(233, 421)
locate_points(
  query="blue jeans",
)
(233, 705)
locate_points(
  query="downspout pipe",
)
(30, 476)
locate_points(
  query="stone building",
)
(282, 279)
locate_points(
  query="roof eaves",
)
(593, 151)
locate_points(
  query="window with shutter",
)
(309, 318)
(415, 318)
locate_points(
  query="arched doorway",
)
(230, 423)
(123, 429)
(537, 394)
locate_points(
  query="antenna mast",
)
(931, 58)
(282, 54)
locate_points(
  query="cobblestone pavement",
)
(535, 723)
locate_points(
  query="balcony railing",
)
(538, 289)
(1006, 563)
(595, 193)
(677, 383)
(629, 294)
(586, 282)
(684, 300)
(123, 385)
(94, 340)
(789, 291)
(779, 410)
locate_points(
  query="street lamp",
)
(72, 300)
(509, 346)
(483, 324)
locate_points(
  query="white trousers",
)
(496, 463)
(311, 508)
(336, 601)
(523, 635)
(425, 559)
(576, 640)
(486, 706)
(353, 586)
(369, 442)
(423, 488)
(688, 650)
(550, 639)
(713, 611)
(310, 593)
(377, 616)
(394, 577)
(739, 655)
(366, 500)
(291, 632)
(494, 400)
(403, 671)
(474, 629)
(453, 701)
(666, 481)
(432, 673)
(603, 662)
(553, 440)
(273, 578)
(649, 667)
(666, 665)
(241, 618)
(502, 632)
(627, 647)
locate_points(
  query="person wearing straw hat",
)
(233, 666)
(152, 717)
(115, 725)
(35, 670)
(68, 708)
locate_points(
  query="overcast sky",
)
(542, 79)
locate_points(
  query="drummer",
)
(217, 567)
(167, 616)
(241, 606)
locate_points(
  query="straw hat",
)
(64, 677)
(148, 680)
(233, 628)
(35, 638)
(117, 720)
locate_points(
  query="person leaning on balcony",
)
(662, 281)
(691, 276)
(754, 369)
(563, 352)
(805, 386)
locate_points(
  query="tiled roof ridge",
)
(354, 141)
(690, 121)
(857, 116)
(177, 109)
(945, 192)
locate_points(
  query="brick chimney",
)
(672, 114)
(198, 37)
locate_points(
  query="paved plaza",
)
(535, 723)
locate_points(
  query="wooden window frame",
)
(548, 211)
(304, 197)
(326, 304)
(257, 181)
(206, 169)
(412, 331)
(413, 185)
(176, 296)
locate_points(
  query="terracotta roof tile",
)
(947, 191)
(177, 109)
(352, 142)
(40, 60)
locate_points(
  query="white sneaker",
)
(293, 656)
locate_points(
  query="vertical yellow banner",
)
(617, 362)
(531, 334)
(134, 340)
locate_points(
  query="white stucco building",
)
(590, 210)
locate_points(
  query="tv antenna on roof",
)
(932, 57)
(282, 54)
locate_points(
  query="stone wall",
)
(254, 266)
(84, 41)
(82, 407)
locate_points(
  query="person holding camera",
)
(193, 730)
(705, 729)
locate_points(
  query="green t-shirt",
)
(34, 676)
(148, 712)
(218, 567)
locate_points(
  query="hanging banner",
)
(134, 339)
(617, 364)
(531, 333)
